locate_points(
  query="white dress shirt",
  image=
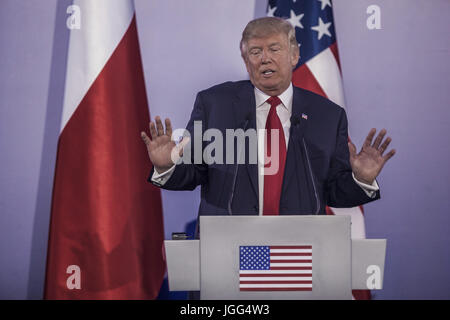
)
(284, 111)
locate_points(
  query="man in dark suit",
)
(305, 139)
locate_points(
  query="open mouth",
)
(268, 72)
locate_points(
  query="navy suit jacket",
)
(317, 170)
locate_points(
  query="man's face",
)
(269, 63)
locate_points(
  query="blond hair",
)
(266, 26)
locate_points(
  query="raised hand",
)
(367, 164)
(160, 147)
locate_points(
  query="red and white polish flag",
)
(106, 230)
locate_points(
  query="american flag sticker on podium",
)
(275, 268)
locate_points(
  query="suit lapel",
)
(244, 108)
(296, 133)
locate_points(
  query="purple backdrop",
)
(396, 77)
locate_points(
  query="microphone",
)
(295, 122)
(236, 167)
(312, 178)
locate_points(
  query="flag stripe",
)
(291, 268)
(276, 285)
(293, 254)
(292, 281)
(91, 47)
(335, 51)
(289, 248)
(357, 219)
(249, 273)
(326, 71)
(290, 265)
(290, 261)
(290, 251)
(274, 275)
(303, 78)
(277, 289)
(277, 278)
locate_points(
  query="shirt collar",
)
(285, 97)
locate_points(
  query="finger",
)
(153, 132)
(145, 138)
(352, 149)
(159, 126)
(168, 127)
(369, 137)
(379, 138)
(385, 145)
(389, 155)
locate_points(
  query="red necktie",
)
(273, 179)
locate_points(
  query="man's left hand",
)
(367, 164)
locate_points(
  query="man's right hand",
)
(160, 146)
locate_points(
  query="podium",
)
(275, 257)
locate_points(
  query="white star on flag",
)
(322, 28)
(295, 20)
(271, 11)
(325, 3)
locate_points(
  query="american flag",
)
(319, 71)
(275, 268)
